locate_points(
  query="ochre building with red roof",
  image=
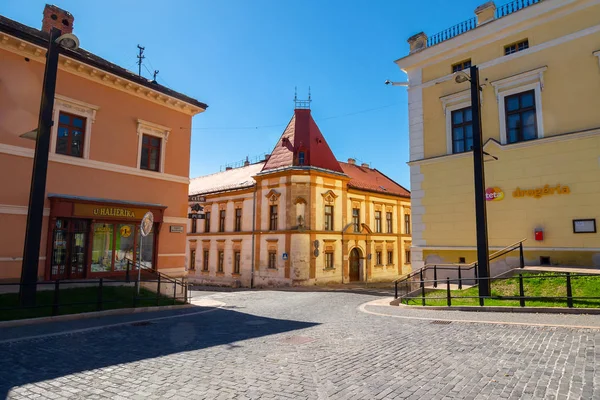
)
(298, 217)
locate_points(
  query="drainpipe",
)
(253, 234)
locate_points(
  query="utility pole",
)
(140, 58)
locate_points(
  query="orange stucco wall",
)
(114, 140)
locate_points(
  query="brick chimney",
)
(55, 17)
(364, 165)
(351, 161)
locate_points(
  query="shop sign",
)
(200, 199)
(176, 229)
(494, 194)
(196, 216)
(125, 231)
(147, 223)
(537, 193)
(99, 211)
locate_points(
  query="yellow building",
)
(299, 217)
(540, 102)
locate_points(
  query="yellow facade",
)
(300, 197)
(561, 67)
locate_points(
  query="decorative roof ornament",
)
(301, 104)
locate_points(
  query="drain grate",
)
(440, 322)
(141, 323)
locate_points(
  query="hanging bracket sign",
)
(147, 223)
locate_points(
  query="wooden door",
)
(354, 265)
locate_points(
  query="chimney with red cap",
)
(55, 17)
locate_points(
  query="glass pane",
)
(102, 248)
(468, 115)
(513, 135)
(513, 121)
(59, 248)
(62, 144)
(147, 249)
(124, 247)
(459, 146)
(512, 103)
(77, 143)
(469, 131)
(469, 144)
(144, 160)
(528, 118)
(153, 160)
(64, 119)
(78, 122)
(78, 253)
(145, 139)
(527, 100)
(155, 142)
(457, 117)
(529, 133)
(458, 133)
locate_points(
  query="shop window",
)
(390, 259)
(207, 221)
(238, 219)
(521, 121)
(70, 135)
(221, 261)
(222, 214)
(356, 219)
(329, 260)
(237, 257)
(272, 259)
(461, 65)
(388, 220)
(273, 217)
(407, 224)
(124, 246)
(69, 249)
(146, 259)
(328, 218)
(378, 258)
(378, 221)
(102, 247)
(515, 47)
(192, 260)
(462, 130)
(205, 260)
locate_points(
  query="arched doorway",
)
(355, 256)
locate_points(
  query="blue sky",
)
(244, 58)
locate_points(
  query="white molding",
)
(525, 248)
(12, 259)
(523, 53)
(532, 76)
(524, 20)
(156, 130)
(464, 96)
(176, 220)
(76, 107)
(80, 162)
(173, 255)
(448, 113)
(18, 210)
(537, 88)
(415, 115)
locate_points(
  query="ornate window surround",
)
(75, 107)
(156, 130)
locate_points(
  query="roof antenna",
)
(140, 58)
(155, 73)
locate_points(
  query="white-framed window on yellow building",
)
(390, 257)
(462, 130)
(389, 222)
(328, 218)
(378, 257)
(378, 221)
(356, 219)
(329, 260)
(461, 65)
(515, 47)
(521, 124)
(407, 224)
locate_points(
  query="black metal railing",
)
(470, 24)
(415, 280)
(75, 296)
(566, 279)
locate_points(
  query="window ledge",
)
(272, 269)
(329, 269)
(236, 275)
(390, 265)
(220, 273)
(205, 272)
(378, 265)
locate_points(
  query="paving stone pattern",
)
(304, 345)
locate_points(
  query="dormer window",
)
(301, 158)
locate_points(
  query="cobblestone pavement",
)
(303, 345)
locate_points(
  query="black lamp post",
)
(37, 193)
(483, 263)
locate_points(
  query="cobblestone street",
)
(304, 345)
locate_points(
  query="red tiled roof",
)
(302, 135)
(372, 180)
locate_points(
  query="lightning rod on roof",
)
(301, 104)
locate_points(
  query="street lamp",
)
(483, 262)
(37, 193)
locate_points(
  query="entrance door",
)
(69, 249)
(354, 265)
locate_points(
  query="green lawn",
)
(113, 297)
(535, 285)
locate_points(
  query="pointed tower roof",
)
(302, 144)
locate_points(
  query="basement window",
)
(544, 260)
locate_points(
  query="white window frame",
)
(156, 130)
(530, 80)
(75, 107)
(451, 103)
